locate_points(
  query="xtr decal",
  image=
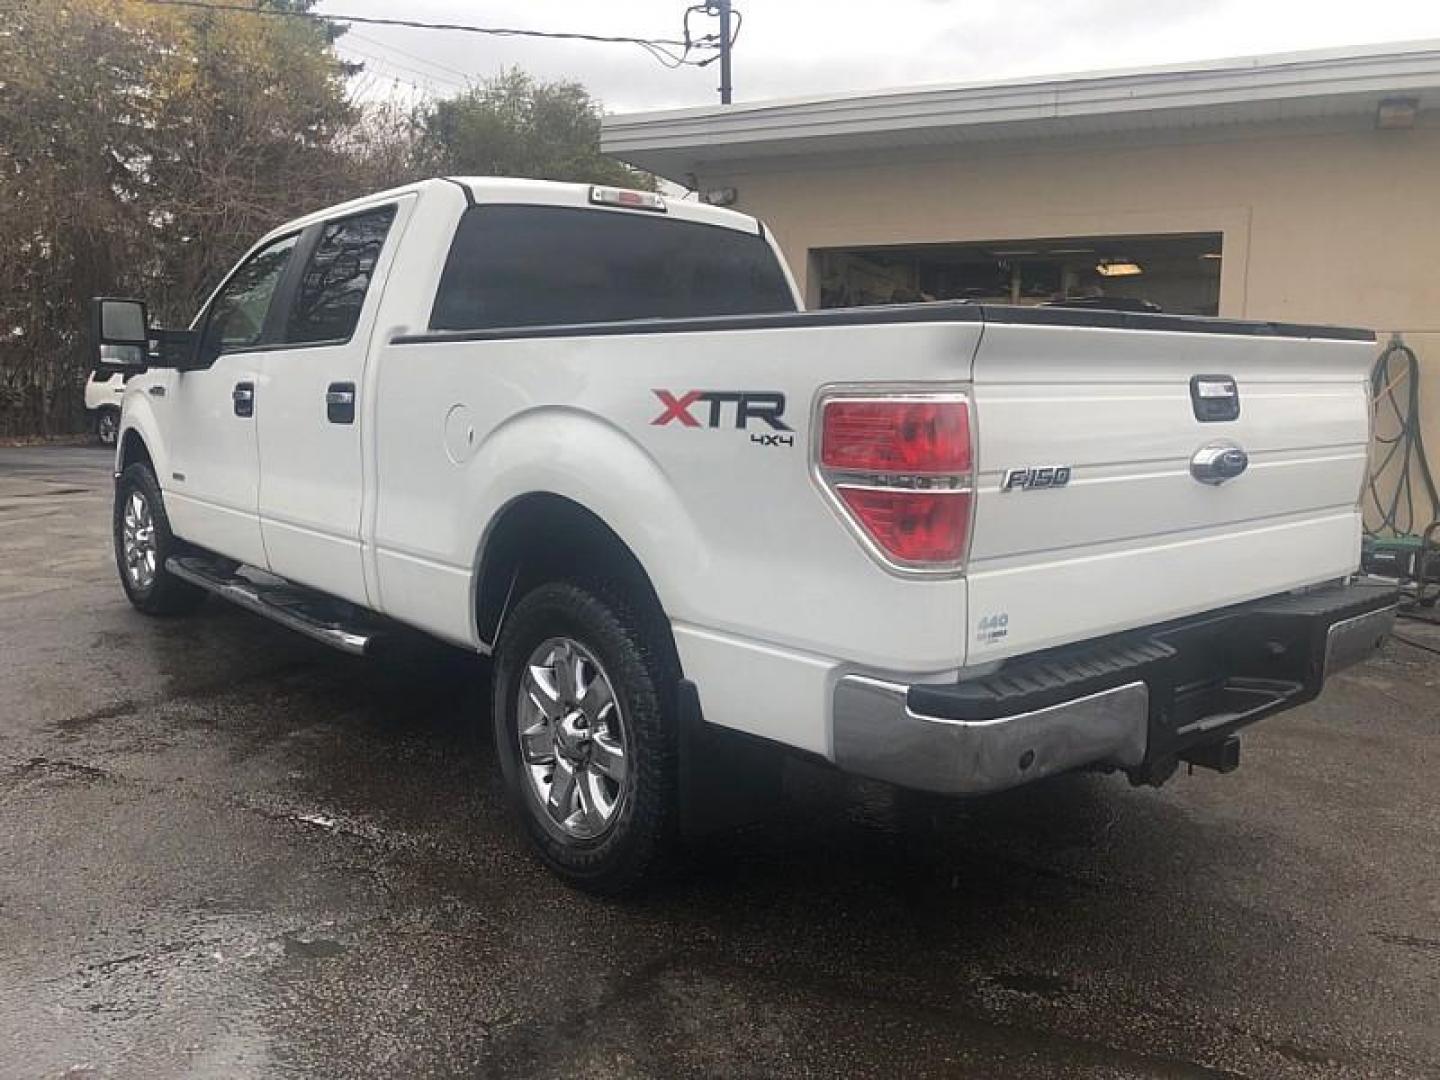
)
(766, 405)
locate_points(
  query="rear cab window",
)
(525, 266)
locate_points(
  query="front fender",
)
(137, 415)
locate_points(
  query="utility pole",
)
(723, 10)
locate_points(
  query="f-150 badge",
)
(1033, 477)
(767, 406)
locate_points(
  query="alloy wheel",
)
(572, 738)
(138, 545)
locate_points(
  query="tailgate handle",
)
(1214, 398)
(1216, 462)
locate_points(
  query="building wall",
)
(1327, 226)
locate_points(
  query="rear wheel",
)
(583, 697)
(143, 541)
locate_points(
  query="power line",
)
(662, 49)
(413, 56)
(396, 65)
(422, 92)
(379, 74)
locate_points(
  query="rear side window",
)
(332, 287)
(553, 266)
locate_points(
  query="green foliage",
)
(143, 148)
(515, 126)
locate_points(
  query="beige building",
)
(1297, 188)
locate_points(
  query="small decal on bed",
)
(992, 628)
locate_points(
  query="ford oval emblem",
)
(1216, 462)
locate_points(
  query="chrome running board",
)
(327, 620)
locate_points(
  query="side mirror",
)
(177, 349)
(124, 341)
(119, 334)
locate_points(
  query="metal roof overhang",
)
(1244, 91)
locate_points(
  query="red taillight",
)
(904, 435)
(912, 526)
(901, 470)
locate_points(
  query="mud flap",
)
(726, 779)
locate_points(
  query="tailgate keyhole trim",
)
(1216, 462)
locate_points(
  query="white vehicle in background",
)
(103, 393)
(590, 432)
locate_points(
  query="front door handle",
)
(340, 403)
(243, 397)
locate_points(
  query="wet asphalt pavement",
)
(226, 852)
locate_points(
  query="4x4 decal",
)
(766, 405)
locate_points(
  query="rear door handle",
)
(340, 403)
(243, 396)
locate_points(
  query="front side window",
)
(237, 317)
(554, 266)
(332, 288)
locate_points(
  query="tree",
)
(515, 126)
(244, 122)
(141, 148)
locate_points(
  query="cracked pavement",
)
(226, 852)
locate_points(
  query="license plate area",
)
(1225, 702)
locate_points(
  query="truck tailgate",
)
(1133, 538)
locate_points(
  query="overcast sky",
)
(793, 48)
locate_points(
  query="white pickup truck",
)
(591, 433)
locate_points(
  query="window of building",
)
(1178, 274)
(555, 266)
(332, 288)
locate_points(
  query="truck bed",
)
(939, 311)
(747, 553)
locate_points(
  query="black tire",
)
(638, 663)
(107, 425)
(161, 593)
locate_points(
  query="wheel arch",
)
(139, 439)
(131, 449)
(541, 535)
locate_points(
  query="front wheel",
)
(143, 541)
(583, 697)
(107, 425)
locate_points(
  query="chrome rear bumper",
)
(877, 735)
(1141, 701)
(1351, 640)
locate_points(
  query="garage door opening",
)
(1178, 273)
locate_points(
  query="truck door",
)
(212, 492)
(311, 399)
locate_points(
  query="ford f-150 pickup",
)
(592, 433)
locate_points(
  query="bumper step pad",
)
(1043, 680)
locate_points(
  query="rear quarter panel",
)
(767, 589)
